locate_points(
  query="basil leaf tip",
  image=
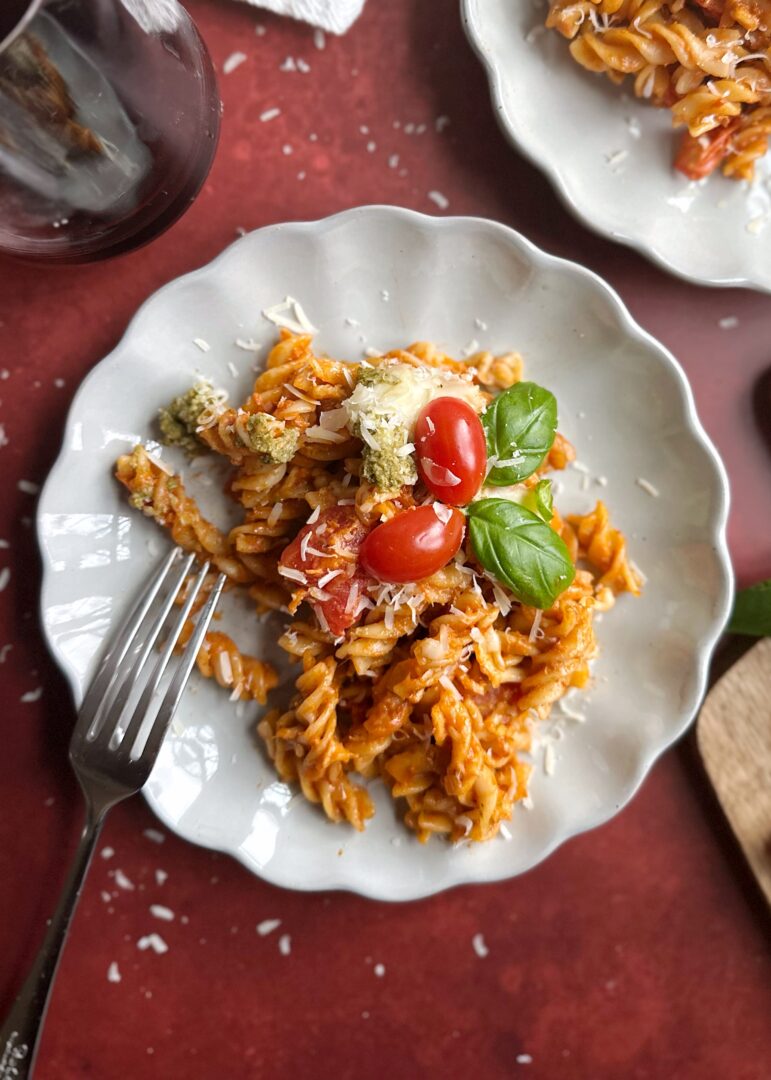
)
(520, 425)
(752, 611)
(521, 550)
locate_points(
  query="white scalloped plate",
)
(402, 276)
(609, 156)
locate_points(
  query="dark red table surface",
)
(638, 950)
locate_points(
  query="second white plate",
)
(610, 156)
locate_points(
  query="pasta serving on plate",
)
(400, 511)
(706, 60)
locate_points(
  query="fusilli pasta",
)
(433, 685)
(706, 60)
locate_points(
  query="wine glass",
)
(109, 117)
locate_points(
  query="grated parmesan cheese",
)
(536, 626)
(438, 474)
(479, 947)
(233, 61)
(292, 574)
(648, 487)
(317, 433)
(224, 668)
(444, 513)
(328, 577)
(298, 322)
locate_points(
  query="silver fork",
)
(113, 749)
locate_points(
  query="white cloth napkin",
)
(333, 15)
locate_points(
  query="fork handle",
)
(20, 1034)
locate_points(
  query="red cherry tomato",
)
(451, 450)
(697, 158)
(414, 544)
(332, 542)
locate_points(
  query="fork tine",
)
(115, 699)
(177, 685)
(143, 705)
(113, 658)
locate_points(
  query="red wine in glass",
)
(109, 116)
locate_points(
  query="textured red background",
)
(638, 950)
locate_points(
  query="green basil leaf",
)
(540, 500)
(520, 425)
(752, 611)
(520, 550)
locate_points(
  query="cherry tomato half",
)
(451, 450)
(697, 158)
(414, 544)
(332, 542)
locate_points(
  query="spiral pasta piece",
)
(605, 547)
(707, 60)
(161, 496)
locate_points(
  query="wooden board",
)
(734, 738)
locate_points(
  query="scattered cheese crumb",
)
(32, 695)
(204, 346)
(28, 487)
(158, 911)
(756, 226)
(122, 881)
(441, 200)
(298, 322)
(617, 158)
(441, 123)
(379, 970)
(319, 39)
(524, 1059)
(154, 942)
(549, 759)
(478, 944)
(107, 852)
(155, 835)
(233, 61)
(113, 975)
(160, 877)
(5, 577)
(4, 652)
(267, 926)
(730, 322)
(269, 114)
(646, 485)
(248, 346)
(285, 944)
